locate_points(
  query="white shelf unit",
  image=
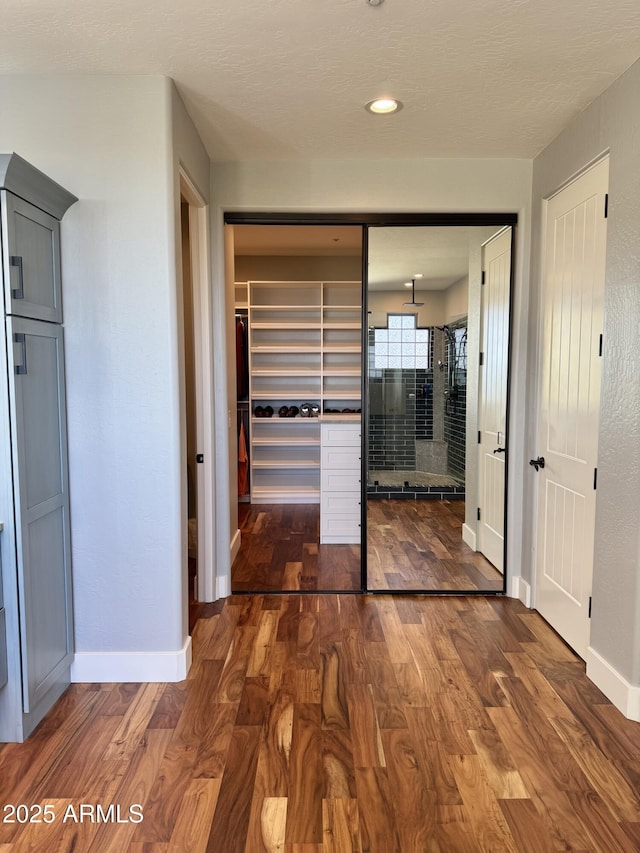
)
(304, 347)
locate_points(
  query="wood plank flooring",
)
(330, 724)
(418, 545)
(280, 550)
(412, 545)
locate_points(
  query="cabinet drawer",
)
(346, 502)
(340, 435)
(341, 527)
(341, 481)
(341, 458)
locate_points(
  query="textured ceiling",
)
(288, 78)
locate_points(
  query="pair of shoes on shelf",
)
(288, 411)
(259, 412)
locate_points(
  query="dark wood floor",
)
(330, 724)
(412, 545)
(280, 550)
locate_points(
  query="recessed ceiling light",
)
(407, 284)
(418, 275)
(383, 106)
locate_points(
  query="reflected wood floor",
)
(330, 724)
(417, 545)
(412, 545)
(280, 550)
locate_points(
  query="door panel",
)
(573, 284)
(38, 424)
(492, 410)
(31, 260)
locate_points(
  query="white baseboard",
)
(625, 696)
(520, 588)
(223, 587)
(469, 536)
(132, 666)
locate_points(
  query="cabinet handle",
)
(21, 338)
(18, 292)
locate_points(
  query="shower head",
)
(413, 295)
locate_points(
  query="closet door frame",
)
(367, 221)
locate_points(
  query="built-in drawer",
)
(347, 458)
(3, 648)
(341, 527)
(342, 502)
(341, 481)
(341, 435)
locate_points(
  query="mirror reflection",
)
(436, 423)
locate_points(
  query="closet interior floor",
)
(280, 551)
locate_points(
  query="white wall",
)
(108, 140)
(296, 268)
(456, 300)
(611, 123)
(383, 302)
(381, 186)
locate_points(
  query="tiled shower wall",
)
(455, 410)
(409, 411)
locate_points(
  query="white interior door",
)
(492, 399)
(573, 285)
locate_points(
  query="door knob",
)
(537, 463)
(500, 450)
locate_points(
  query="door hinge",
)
(595, 478)
(606, 205)
(478, 513)
(589, 607)
(600, 347)
(479, 437)
(481, 362)
(483, 278)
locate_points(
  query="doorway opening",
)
(306, 314)
(198, 505)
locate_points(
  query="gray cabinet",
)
(34, 489)
(31, 260)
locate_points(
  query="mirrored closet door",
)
(437, 351)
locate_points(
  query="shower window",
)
(401, 345)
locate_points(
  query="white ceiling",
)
(288, 78)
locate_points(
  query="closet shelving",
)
(304, 347)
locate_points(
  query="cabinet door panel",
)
(3, 648)
(31, 260)
(38, 424)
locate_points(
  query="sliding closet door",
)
(299, 298)
(424, 369)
